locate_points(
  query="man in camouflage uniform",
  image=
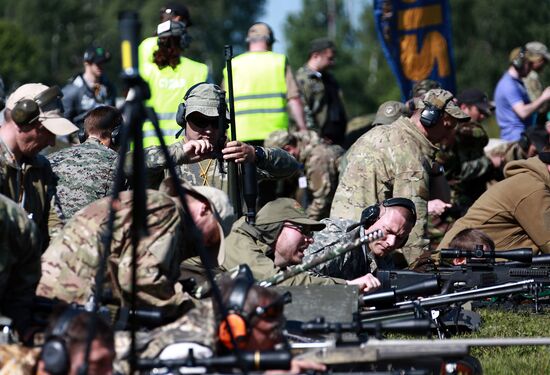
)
(278, 239)
(198, 155)
(395, 218)
(25, 176)
(69, 265)
(324, 107)
(86, 172)
(19, 263)
(532, 82)
(320, 167)
(395, 161)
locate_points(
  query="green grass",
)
(516, 359)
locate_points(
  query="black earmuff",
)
(403, 202)
(431, 114)
(55, 354)
(27, 111)
(371, 214)
(236, 319)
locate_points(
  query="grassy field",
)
(513, 360)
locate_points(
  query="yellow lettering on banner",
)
(416, 18)
(418, 65)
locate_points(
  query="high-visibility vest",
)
(168, 87)
(259, 88)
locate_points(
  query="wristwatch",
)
(260, 154)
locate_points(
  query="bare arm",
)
(525, 110)
(297, 111)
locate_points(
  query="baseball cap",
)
(538, 49)
(438, 98)
(286, 209)
(260, 31)
(174, 9)
(96, 55)
(204, 98)
(476, 97)
(388, 112)
(50, 111)
(320, 44)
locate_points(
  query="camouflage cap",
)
(278, 138)
(422, 87)
(388, 112)
(286, 209)
(205, 99)
(443, 99)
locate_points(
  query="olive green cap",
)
(286, 209)
(205, 99)
(388, 112)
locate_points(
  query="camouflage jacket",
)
(534, 88)
(351, 265)
(323, 104)
(320, 162)
(19, 262)
(277, 164)
(388, 161)
(70, 263)
(244, 245)
(31, 184)
(466, 167)
(85, 173)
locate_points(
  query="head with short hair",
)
(322, 54)
(101, 121)
(260, 37)
(468, 239)
(396, 221)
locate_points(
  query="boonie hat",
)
(388, 112)
(204, 98)
(260, 31)
(438, 98)
(50, 113)
(286, 209)
(476, 97)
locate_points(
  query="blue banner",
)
(416, 40)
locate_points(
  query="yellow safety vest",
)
(260, 94)
(168, 86)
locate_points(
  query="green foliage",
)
(515, 359)
(53, 35)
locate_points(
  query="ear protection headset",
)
(237, 320)
(27, 111)
(519, 60)
(92, 53)
(55, 354)
(431, 114)
(370, 215)
(115, 133)
(176, 28)
(270, 39)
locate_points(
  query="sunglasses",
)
(305, 230)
